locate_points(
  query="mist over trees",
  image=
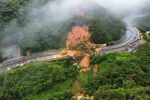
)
(143, 23)
(35, 29)
(39, 25)
(1, 59)
(103, 29)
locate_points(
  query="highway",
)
(131, 36)
(9, 64)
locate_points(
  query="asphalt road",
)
(131, 36)
(9, 64)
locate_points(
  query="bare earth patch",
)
(147, 34)
(95, 68)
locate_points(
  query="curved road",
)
(131, 36)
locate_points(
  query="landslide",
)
(103, 27)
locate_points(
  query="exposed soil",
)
(95, 68)
(78, 45)
(85, 62)
(77, 36)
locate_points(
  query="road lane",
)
(131, 36)
(9, 64)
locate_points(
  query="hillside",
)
(16, 26)
(143, 23)
(36, 78)
(80, 70)
(119, 76)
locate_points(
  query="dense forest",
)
(1, 56)
(16, 26)
(143, 23)
(53, 77)
(120, 76)
(106, 28)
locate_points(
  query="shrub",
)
(109, 94)
(33, 79)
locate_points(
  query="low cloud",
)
(45, 16)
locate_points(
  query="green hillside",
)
(17, 26)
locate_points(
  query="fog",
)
(61, 10)
(46, 16)
(124, 6)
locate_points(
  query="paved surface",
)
(132, 35)
(9, 64)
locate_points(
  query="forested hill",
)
(143, 23)
(35, 31)
(118, 76)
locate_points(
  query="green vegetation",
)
(103, 29)
(145, 37)
(120, 76)
(59, 91)
(1, 56)
(143, 23)
(82, 47)
(9, 9)
(88, 82)
(140, 93)
(35, 78)
(15, 21)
